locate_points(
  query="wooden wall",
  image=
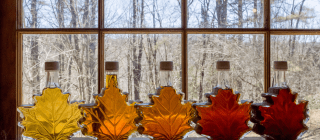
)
(8, 69)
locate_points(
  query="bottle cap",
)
(223, 65)
(280, 65)
(166, 65)
(51, 65)
(111, 66)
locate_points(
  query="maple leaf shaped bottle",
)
(278, 117)
(111, 117)
(165, 117)
(51, 117)
(221, 117)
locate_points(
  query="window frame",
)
(183, 30)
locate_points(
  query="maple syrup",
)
(278, 117)
(51, 116)
(165, 117)
(110, 117)
(221, 117)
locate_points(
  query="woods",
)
(139, 54)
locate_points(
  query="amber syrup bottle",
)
(278, 117)
(165, 117)
(111, 117)
(51, 116)
(221, 117)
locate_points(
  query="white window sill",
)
(247, 138)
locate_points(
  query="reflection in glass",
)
(139, 56)
(142, 14)
(77, 56)
(59, 13)
(295, 14)
(245, 53)
(225, 14)
(303, 54)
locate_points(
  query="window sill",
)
(191, 138)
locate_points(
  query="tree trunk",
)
(76, 58)
(35, 84)
(204, 15)
(93, 13)
(154, 44)
(137, 60)
(85, 18)
(60, 13)
(255, 18)
(297, 25)
(221, 7)
(134, 62)
(240, 21)
(74, 15)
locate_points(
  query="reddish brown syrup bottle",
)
(278, 117)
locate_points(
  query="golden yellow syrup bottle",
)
(51, 117)
(111, 117)
(165, 117)
(279, 117)
(222, 118)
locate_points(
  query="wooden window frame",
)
(183, 30)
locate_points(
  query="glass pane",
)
(139, 56)
(142, 14)
(246, 56)
(303, 54)
(77, 55)
(225, 14)
(60, 14)
(295, 14)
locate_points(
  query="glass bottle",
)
(52, 70)
(222, 116)
(155, 117)
(279, 79)
(56, 107)
(166, 68)
(111, 69)
(223, 68)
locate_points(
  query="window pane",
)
(303, 54)
(225, 14)
(295, 14)
(77, 55)
(142, 14)
(139, 56)
(60, 14)
(245, 53)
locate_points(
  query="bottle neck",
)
(165, 78)
(111, 79)
(223, 79)
(279, 79)
(52, 79)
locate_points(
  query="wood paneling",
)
(8, 83)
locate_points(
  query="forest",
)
(139, 55)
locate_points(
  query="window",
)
(244, 54)
(77, 55)
(139, 70)
(194, 34)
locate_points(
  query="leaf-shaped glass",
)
(110, 117)
(52, 117)
(165, 117)
(222, 117)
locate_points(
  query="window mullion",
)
(184, 51)
(100, 45)
(267, 71)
